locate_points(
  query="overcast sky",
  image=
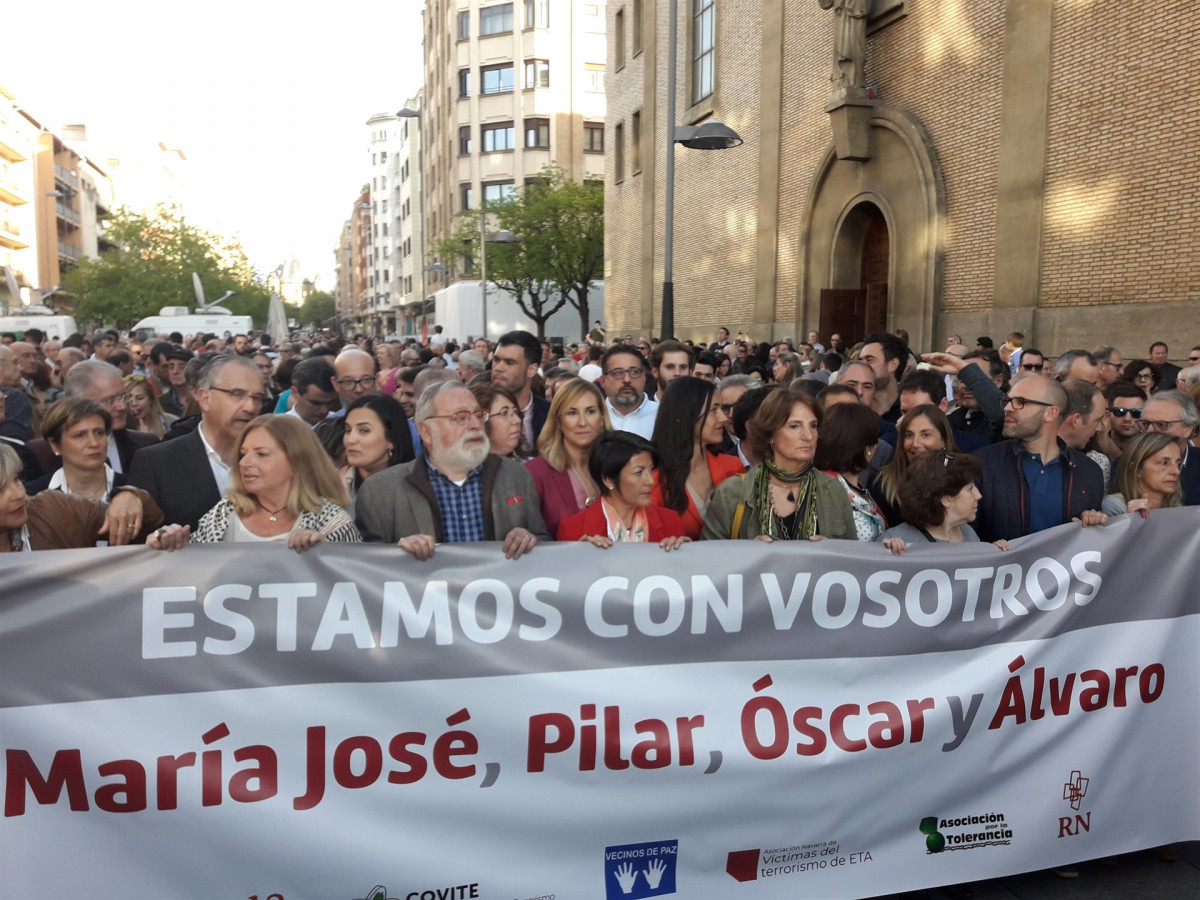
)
(267, 99)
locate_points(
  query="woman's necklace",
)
(272, 514)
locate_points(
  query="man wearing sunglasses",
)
(1125, 402)
(1033, 480)
(456, 490)
(1032, 360)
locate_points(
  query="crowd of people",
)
(519, 441)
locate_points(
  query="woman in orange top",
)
(690, 423)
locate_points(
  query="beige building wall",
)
(568, 38)
(18, 226)
(1027, 180)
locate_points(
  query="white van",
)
(56, 328)
(177, 318)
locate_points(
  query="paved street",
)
(1134, 876)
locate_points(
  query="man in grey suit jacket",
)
(456, 491)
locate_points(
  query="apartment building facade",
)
(510, 87)
(984, 168)
(18, 226)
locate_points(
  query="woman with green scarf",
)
(783, 498)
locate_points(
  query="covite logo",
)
(1074, 791)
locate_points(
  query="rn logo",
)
(1074, 791)
(634, 871)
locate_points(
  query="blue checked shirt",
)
(462, 507)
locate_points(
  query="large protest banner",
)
(728, 720)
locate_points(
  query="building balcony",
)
(70, 179)
(9, 152)
(10, 235)
(68, 253)
(9, 193)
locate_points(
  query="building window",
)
(537, 134)
(464, 141)
(619, 37)
(593, 137)
(496, 138)
(619, 152)
(383, 156)
(637, 27)
(593, 75)
(537, 13)
(497, 79)
(496, 19)
(465, 197)
(593, 18)
(537, 73)
(635, 142)
(704, 16)
(464, 25)
(498, 191)
(464, 83)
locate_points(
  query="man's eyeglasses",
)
(464, 416)
(1032, 367)
(727, 408)
(621, 374)
(363, 383)
(1162, 425)
(1120, 412)
(1019, 403)
(240, 396)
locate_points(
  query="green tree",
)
(150, 266)
(571, 217)
(560, 226)
(317, 307)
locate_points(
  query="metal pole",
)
(421, 193)
(483, 291)
(668, 288)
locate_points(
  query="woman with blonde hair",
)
(1147, 476)
(564, 482)
(144, 408)
(284, 488)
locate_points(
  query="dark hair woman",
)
(77, 431)
(377, 436)
(922, 429)
(689, 426)
(505, 420)
(849, 434)
(622, 464)
(785, 497)
(1143, 373)
(938, 501)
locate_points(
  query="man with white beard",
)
(456, 490)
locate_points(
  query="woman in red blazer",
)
(690, 421)
(622, 464)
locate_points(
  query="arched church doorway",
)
(857, 304)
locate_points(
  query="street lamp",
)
(711, 135)
(503, 236)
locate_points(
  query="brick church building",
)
(948, 167)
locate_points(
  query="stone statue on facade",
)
(849, 43)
